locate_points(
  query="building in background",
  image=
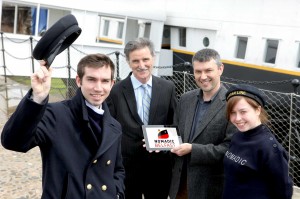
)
(258, 40)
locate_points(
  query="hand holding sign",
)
(160, 137)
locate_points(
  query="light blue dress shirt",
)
(139, 92)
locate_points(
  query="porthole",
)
(206, 41)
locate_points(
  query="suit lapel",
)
(212, 111)
(109, 135)
(130, 99)
(155, 96)
(191, 108)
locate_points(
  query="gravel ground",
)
(20, 173)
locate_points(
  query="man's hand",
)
(144, 145)
(41, 83)
(182, 149)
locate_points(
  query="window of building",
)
(147, 30)
(271, 51)
(241, 47)
(16, 18)
(42, 21)
(7, 18)
(106, 28)
(182, 37)
(120, 29)
(22, 19)
(298, 58)
(111, 30)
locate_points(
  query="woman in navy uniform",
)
(256, 164)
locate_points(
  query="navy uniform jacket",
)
(256, 166)
(74, 165)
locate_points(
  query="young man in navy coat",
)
(79, 141)
(146, 173)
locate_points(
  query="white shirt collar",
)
(99, 110)
(136, 83)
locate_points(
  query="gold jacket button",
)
(89, 186)
(95, 161)
(108, 162)
(104, 187)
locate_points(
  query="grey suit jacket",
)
(209, 144)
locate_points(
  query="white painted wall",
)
(86, 13)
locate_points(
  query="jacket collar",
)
(110, 132)
(217, 104)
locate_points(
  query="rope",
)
(20, 58)
(14, 41)
(187, 65)
(78, 50)
(256, 82)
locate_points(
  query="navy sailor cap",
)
(56, 39)
(246, 91)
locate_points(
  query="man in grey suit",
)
(200, 115)
(147, 174)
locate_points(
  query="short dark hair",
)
(95, 61)
(138, 43)
(206, 55)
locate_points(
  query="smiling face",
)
(141, 63)
(95, 84)
(208, 76)
(244, 116)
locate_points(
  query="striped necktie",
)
(146, 104)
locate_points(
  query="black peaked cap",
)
(57, 38)
(247, 91)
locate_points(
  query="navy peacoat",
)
(74, 165)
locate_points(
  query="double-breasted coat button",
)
(89, 186)
(108, 162)
(95, 161)
(104, 187)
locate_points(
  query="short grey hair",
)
(138, 43)
(206, 55)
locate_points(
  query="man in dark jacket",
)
(146, 173)
(79, 141)
(198, 162)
